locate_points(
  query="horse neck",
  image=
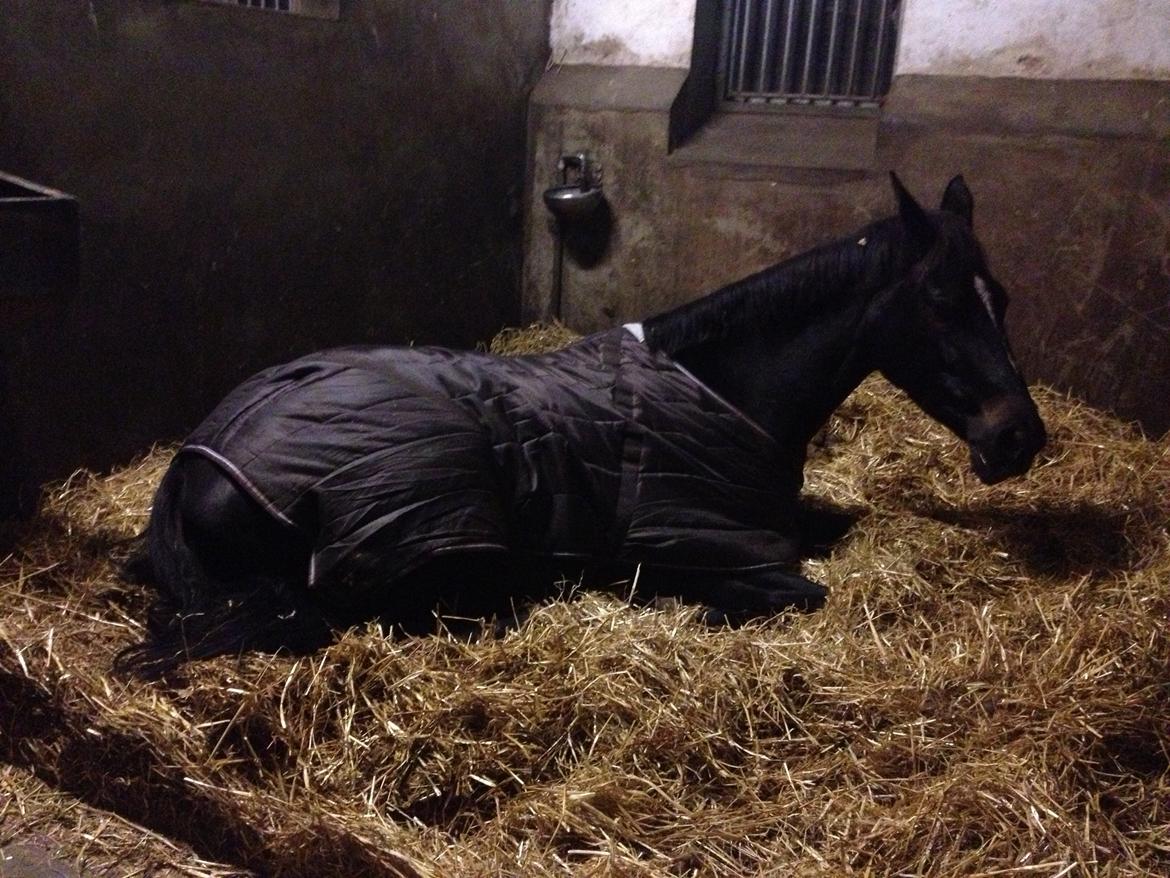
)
(789, 382)
(787, 368)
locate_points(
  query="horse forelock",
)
(791, 293)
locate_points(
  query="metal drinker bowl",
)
(572, 202)
(579, 199)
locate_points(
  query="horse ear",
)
(958, 199)
(912, 214)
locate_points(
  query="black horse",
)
(386, 482)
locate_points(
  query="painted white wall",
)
(1064, 39)
(1071, 39)
(651, 33)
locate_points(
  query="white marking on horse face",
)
(985, 295)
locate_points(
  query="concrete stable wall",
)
(1071, 179)
(253, 186)
(1057, 113)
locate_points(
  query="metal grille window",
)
(308, 8)
(822, 52)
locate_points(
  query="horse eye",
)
(943, 296)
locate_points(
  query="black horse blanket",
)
(602, 451)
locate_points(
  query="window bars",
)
(818, 52)
(308, 8)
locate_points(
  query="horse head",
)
(939, 335)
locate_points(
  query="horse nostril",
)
(1010, 442)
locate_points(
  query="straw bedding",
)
(985, 693)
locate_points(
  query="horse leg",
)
(459, 592)
(736, 597)
(821, 528)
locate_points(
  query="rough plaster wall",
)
(1065, 39)
(1069, 39)
(650, 33)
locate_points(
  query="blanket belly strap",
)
(631, 460)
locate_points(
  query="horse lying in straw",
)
(384, 481)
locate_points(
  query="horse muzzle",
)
(1005, 438)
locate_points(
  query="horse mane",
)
(790, 292)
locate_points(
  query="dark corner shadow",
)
(1082, 540)
(115, 772)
